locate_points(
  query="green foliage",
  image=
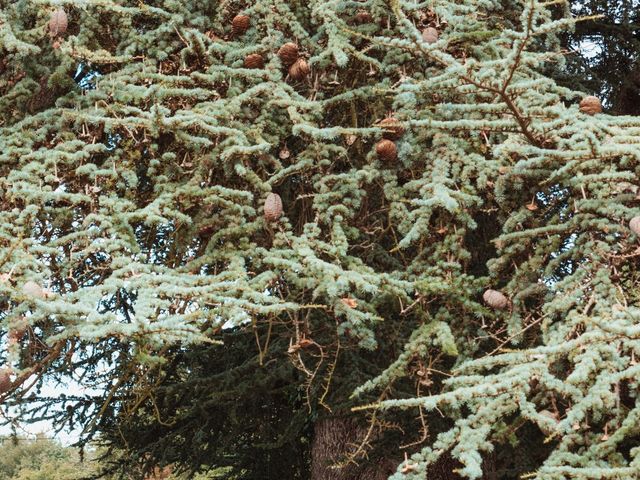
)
(218, 406)
(611, 60)
(135, 196)
(40, 459)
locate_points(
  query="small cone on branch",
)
(495, 299)
(240, 24)
(299, 70)
(430, 35)
(387, 150)
(349, 302)
(58, 23)
(392, 129)
(284, 153)
(17, 330)
(32, 289)
(634, 225)
(254, 60)
(591, 105)
(288, 53)
(5, 380)
(272, 207)
(15, 336)
(363, 17)
(211, 35)
(548, 430)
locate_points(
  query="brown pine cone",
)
(58, 23)
(591, 105)
(272, 207)
(299, 70)
(254, 60)
(288, 53)
(240, 24)
(430, 35)
(5, 380)
(495, 299)
(387, 150)
(363, 17)
(392, 129)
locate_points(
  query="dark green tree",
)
(605, 57)
(41, 459)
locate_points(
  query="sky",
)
(44, 427)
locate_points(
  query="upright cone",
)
(272, 207)
(5, 380)
(591, 105)
(288, 53)
(58, 23)
(392, 129)
(240, 24)
(430, 35)
(299, 70)
(387, 150)
(32, 289)
(254, 60)
(495, 299)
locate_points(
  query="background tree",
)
(606, 53)
(41, 459)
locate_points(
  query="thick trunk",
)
(336, 437)
(333, 440)
(627, 100)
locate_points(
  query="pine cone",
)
(32, 289)
(288, 53)
(17, 330)
(495, 299)
(393, 130)
(349, 302)
(272, 207)
(58, 23)
(254, 60)
(387, 150)
(591, 105)
(430, 35)
(548, 429)
(299, 70)
(14, 336)
(5, 380)
(240, 24)
(634, 225)
(363, 17)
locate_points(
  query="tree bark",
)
(334, 439)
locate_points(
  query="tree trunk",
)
(334, 439)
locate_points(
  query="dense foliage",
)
(606, 52)
(41, 459)
(425, 159)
